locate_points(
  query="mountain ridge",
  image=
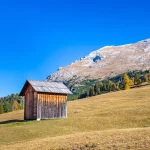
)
(107, 61)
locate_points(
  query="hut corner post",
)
(38, 109)
(66, 108)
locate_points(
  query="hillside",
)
(108, 61)
(117, 120)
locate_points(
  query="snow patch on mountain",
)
(125, 45)
(106, 47)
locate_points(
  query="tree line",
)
(100, 88)
(121, 82)
(10, 103)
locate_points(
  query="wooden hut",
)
(44, 100)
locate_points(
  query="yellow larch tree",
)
(127, 82)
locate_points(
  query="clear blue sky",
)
(36, 37)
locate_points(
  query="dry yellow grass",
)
(119, 120)
(136, 138)
(15, 115)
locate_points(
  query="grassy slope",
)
(110, 121)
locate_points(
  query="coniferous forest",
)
(125, 81)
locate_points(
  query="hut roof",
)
(46, 87)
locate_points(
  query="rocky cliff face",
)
(108, 61)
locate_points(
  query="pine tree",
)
(101, 86)
(148, 77)
(114, 87)
(96, 89)
(104, 88)
(137, 80)
(91, 92)
(84, 94)
(110, 83)
(1, 109)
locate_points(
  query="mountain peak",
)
(107, 61)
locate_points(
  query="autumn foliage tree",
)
(11, 102)
(20, 106)
(127, 82)
(15, 106)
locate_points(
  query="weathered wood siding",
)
(30, 110)
(44, 105)
(51, 106)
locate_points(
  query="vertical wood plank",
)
(61, 107)
(46, 97)
(35, 105)
(38, 108)
(42, 106)
(52, 107)
(25, 107)
(28, 107)
(58, 106)
(66, 107)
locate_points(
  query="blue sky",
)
(36, 37)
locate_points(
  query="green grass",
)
(117, 120)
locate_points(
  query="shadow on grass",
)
(14, 121)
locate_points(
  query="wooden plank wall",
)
(30, 110)
(35, 97)
(51, 106)
(26, 105)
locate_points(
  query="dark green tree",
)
(110, 85)
(101, 86)
(84, 94)
(91, 92)
(7, 107)
(137, 80)
(148, 77)
(114, 87)
(104, 88)
(1, 109)
(96, 89)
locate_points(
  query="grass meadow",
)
(117, 120)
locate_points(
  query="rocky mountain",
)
(108, 61)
